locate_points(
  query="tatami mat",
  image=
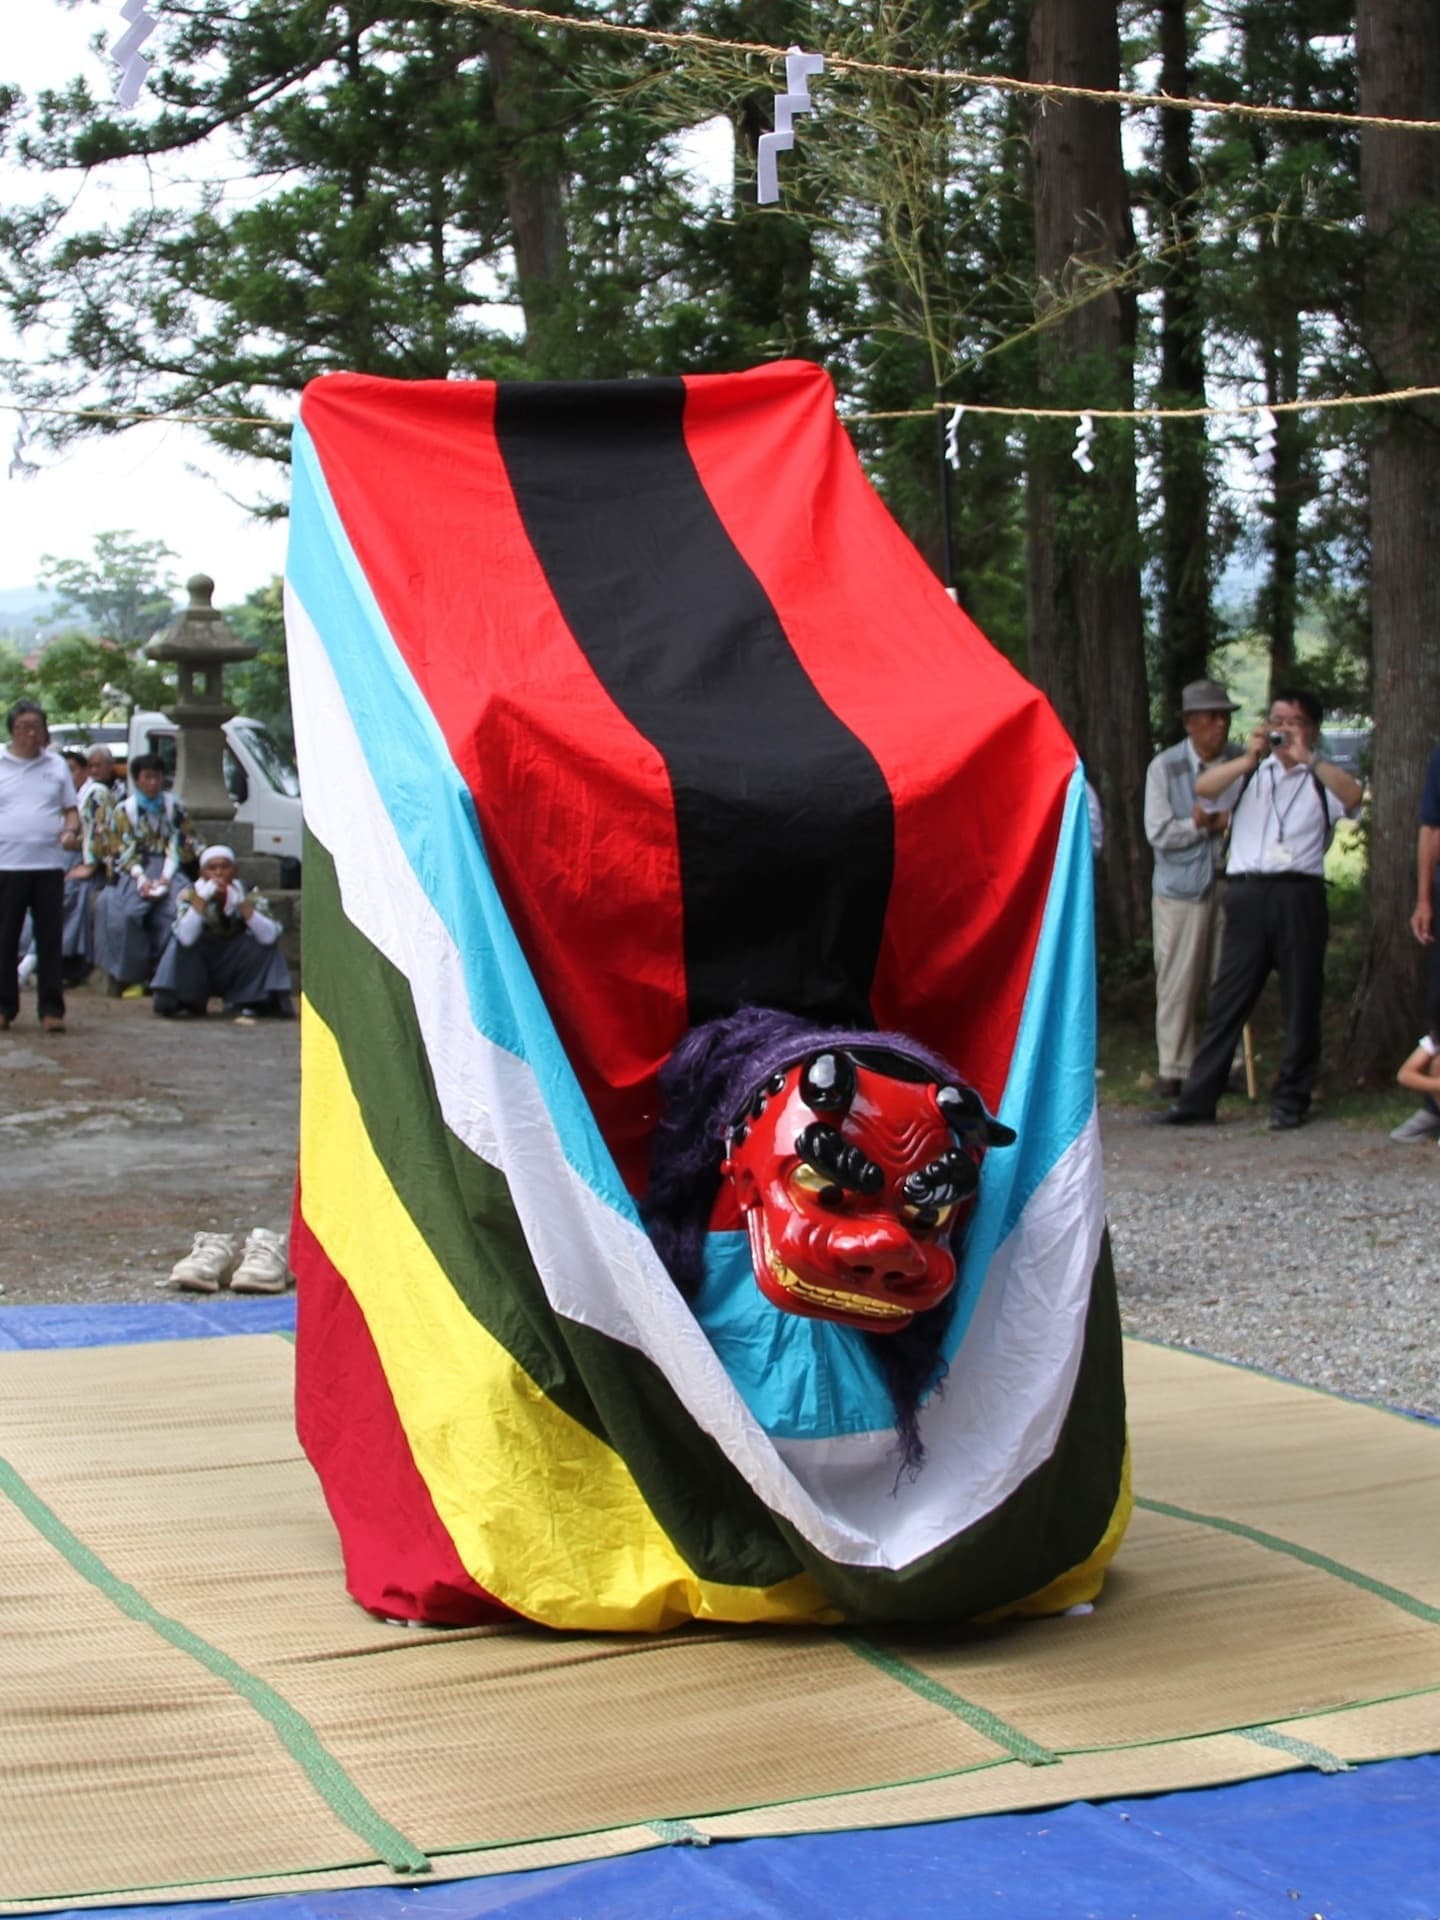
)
(191, 1704)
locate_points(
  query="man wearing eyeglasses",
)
(39, 834)
(1285, 800)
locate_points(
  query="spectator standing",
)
(134, 918)
(1424, 1123)
(39, 830)
(1282, 817)
(1186, 915)
(98, 843)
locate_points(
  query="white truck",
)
(259, 776)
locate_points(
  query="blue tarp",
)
(200, 1317)
(1363, 1845)
(1357, 1846)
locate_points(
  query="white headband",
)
(217, 852)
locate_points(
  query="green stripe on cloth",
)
(298, 1737)
(1052, 1522)
(464, 1210)
(999, 1731)
(1421, 1609)
(1305, 1751)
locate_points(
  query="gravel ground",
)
(1310, 1254)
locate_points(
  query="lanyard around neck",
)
(1281, 818)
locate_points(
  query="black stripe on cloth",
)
(784, 818)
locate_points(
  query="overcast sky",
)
(159, 482)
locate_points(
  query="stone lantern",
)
(202, 643)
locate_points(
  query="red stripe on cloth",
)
(575, 805)
(347, 1423)
(974, 756)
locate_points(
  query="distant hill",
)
(28, 602)
(22, 609)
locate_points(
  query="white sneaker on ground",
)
(262, 1267)
(208, 1265)
(1422, 1125)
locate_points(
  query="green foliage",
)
(78, 677)
(260, 688)
(15, 678)
(429, 192)
(126, 594)
(124, 590)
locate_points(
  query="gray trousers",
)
(1187, 935)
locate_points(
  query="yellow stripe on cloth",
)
(1082, 1583)
(542, 1514)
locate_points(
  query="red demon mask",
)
(852, 1170)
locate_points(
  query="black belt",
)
(1273, 879)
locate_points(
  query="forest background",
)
(460, 188)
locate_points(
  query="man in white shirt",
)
(1284, 800)
(39, 833)
(1187, 835)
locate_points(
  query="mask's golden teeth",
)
(832, 1298)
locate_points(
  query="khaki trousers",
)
(1187, 953)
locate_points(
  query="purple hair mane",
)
(705, 1085)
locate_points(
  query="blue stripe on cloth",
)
(422, 790)
(1050, 1094)
(804, 1379)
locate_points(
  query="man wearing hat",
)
(1186, 833)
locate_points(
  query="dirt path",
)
(127, 1135)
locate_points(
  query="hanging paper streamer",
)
(952, 439)
(21, 466)
(795, 99)
(133, 64)
(1084, 435)
(1265, 441)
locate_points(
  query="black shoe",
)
(1180, 1117)
(1281, 1121)
(1165, 1088)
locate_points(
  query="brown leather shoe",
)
(52, 1023)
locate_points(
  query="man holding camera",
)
(1285, 800)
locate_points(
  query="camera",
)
(1275, 737)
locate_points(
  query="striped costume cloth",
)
(619, 705)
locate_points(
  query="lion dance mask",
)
(852, 1158)
(851, 1170)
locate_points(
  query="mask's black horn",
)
(967, 1119)
(827, 1082)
